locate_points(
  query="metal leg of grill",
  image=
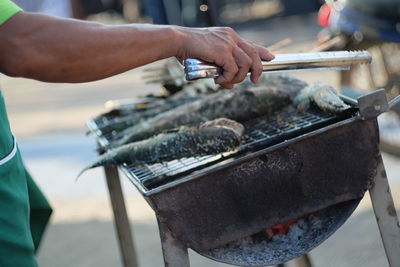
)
(121, 220)
(386, 215)
(303, 261)
(175, 253)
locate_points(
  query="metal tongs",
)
(337, 60)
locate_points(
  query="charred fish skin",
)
(127, 117)
(196, 88)
(209, 138)
(277, 82)
(322, 95)
(119, 124)
(151, 107)
(236, 105)
(240, 104)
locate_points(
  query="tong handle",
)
(198, 69)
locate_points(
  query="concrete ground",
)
(49, 121)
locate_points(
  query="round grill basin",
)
(301, 238)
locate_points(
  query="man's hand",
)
(224, 47)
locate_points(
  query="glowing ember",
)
(289, 240)
(280, 229)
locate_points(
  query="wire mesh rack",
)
(260, 133)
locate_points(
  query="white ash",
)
(303, 236)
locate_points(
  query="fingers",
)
(235, 69)
(224, 47)
(230, 69)
(257, 54)
(225, 85)
(238, 64)
(255, 63)
(244, 63)
(264, 53)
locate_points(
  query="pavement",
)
(49, 121)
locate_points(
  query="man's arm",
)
(64, 50)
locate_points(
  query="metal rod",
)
(121, 220)
(303, 261)
(386, 215)
(175, 253)
(394, 102)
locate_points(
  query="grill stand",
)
(176, 255)
(302, 261)
(121, 220)
(174, 252)
(386, 216)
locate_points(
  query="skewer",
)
(280, 44)
(327, 44)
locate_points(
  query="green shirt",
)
(7, 10)
(24, 211)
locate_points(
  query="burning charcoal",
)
(280, 229)
(260, 250)
(209, 138)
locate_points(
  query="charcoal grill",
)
(294, 165)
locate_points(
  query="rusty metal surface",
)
(373, 104)
(174, 252)
(309, 175)
(386, 215)
(230, 162)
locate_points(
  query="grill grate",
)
(260, 133)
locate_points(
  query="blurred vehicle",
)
(373, 25)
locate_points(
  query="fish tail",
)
(104, 159)
(82, 171)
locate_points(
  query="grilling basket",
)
(294, 180)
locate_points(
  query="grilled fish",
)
(239, 105)
(125, 118)
(322, 95)
(212, 137)
(277, 82)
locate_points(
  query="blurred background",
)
(49, 121)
